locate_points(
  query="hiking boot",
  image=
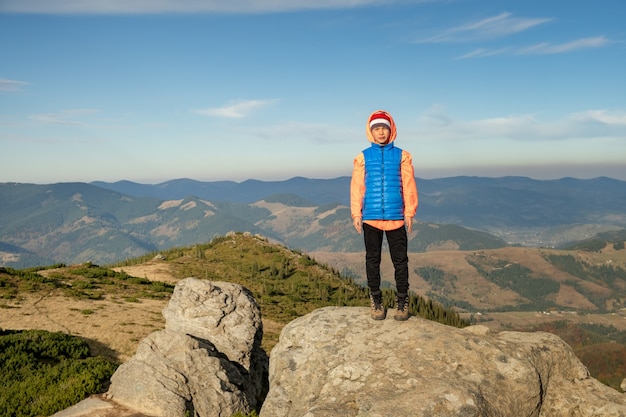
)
(377, 309)
(402, 308)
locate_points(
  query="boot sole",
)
(382, 317)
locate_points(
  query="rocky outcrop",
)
(207, 362)
(336, 361)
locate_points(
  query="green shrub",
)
(42, 372)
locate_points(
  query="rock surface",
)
(207, 362)
(336, 361)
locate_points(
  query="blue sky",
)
(212, 90)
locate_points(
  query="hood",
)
(392, 136)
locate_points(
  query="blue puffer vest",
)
(383, 183)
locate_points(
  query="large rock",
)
(222, 312)
(336, 361)
(207, 362)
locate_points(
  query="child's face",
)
(381, 134)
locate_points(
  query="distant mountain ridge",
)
(319, 191)
(511, 201)
(104, 223)
(499, 206)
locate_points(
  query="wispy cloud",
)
(600, 116)
(498, 26)
(236, 109)
(483, 52)
(11, 85)
(559, 48)
(543, 48)
(65, 117)
(307, 132)
(586, 125)
(180, 6)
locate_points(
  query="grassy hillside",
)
(601, 348)
(84, 300)
(286, 283)
(508, 279)
(113, 307)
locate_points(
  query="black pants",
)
(397, 240)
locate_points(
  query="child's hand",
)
(408, 221)
(356, 221)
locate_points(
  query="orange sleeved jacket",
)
(409, 188)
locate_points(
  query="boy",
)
(383, 199)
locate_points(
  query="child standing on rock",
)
(383, 201)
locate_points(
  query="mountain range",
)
(108, 222)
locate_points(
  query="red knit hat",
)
(380, 119)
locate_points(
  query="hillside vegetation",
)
(287, 284)
(601, 348)
(42, 372)
(510, 278)
(88, 299)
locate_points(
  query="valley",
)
(494, 306)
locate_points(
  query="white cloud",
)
(237, 109)
(483, 52)
(547, 48)
(65, 117)
(515, 127)
(180, 6)
(11, 85)
(588, 125)
(601, 116)
(544, 48)
(498, 26)
(52, 118)
(501, 25)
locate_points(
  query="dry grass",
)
(113, 326)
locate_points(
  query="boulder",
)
(336, 361)
(222, 312)
(207, 362)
